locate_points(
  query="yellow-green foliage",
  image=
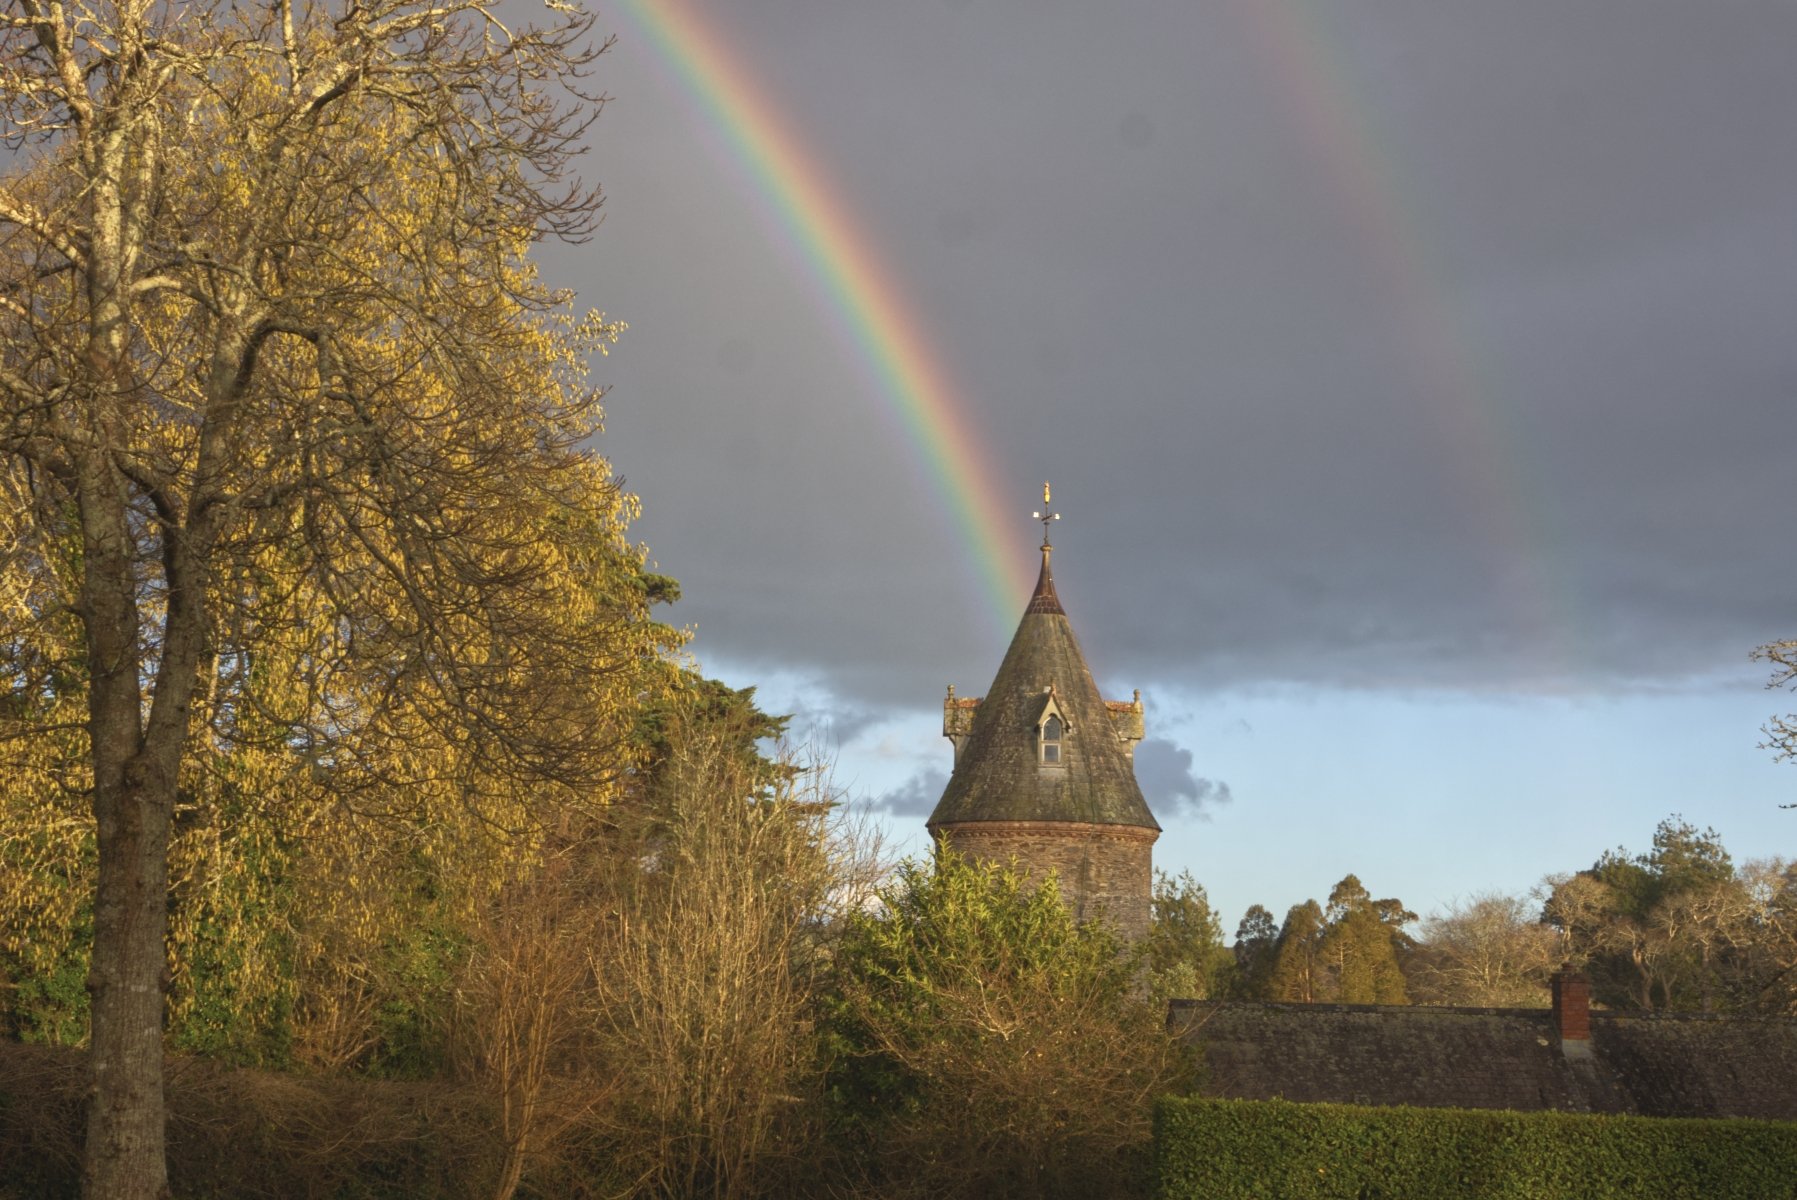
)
(1275, 1150)
(363, 766)
(312, 901)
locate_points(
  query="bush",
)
(1229, 1149)
(242, 1133)
(989, 1045)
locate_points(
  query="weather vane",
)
(1045, 516)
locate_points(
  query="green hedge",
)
(1225, 1149)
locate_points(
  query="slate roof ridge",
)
(1597, 1014)
(1300, 1006)
(1661, 1016)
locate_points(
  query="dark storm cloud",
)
(1480, 379)
(1164, 771)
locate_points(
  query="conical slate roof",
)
(998, 775)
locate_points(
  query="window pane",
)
(1051, 730)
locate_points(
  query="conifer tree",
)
(1298, 958)
(1362, 962)
(1348, 953)
(1361, 946)
(1256, 949)
(1676, 927)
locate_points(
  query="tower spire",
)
(1044, 600)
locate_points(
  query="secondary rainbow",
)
(1458, 396)
(858, 295)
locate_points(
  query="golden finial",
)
(1045, 516)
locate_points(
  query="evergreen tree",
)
(1256, 950)
(1362, 961)
(1362, 946)
(1297, 958)
(1347, 953)
(693, 709)
(1186, 956)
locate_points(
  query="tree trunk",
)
(133, 801)
(126, 1117)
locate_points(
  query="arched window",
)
(1051, 739)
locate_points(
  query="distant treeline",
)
(1680, 927)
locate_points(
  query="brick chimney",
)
(1572, 1005)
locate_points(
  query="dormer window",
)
(1051, 730)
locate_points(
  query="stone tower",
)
(1045, 771)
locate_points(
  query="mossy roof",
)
(997, 775)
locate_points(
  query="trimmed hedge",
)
(1228, 1149)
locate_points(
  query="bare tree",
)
(525, 1013)
(1781, 729)
(1767, 965)
(266, 331)
(1489, 951)
(706, 968)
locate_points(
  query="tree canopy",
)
(300, 515)
(1345, 953)
(1680, 926)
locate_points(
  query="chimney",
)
(1572, 1005)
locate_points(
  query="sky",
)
(1416, 379)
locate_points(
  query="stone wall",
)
(1105, 871)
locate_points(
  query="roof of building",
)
(1663, 1065)
(997, 775)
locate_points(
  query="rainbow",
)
(860, 297)
(1486, 453)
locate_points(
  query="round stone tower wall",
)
(1104, 871)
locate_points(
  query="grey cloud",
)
(916, 797)
(1165, 772)
(1504, 411)
(1135, 129)
(830, 724)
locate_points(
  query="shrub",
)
(987, 1044)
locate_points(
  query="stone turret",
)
(1045, 774)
